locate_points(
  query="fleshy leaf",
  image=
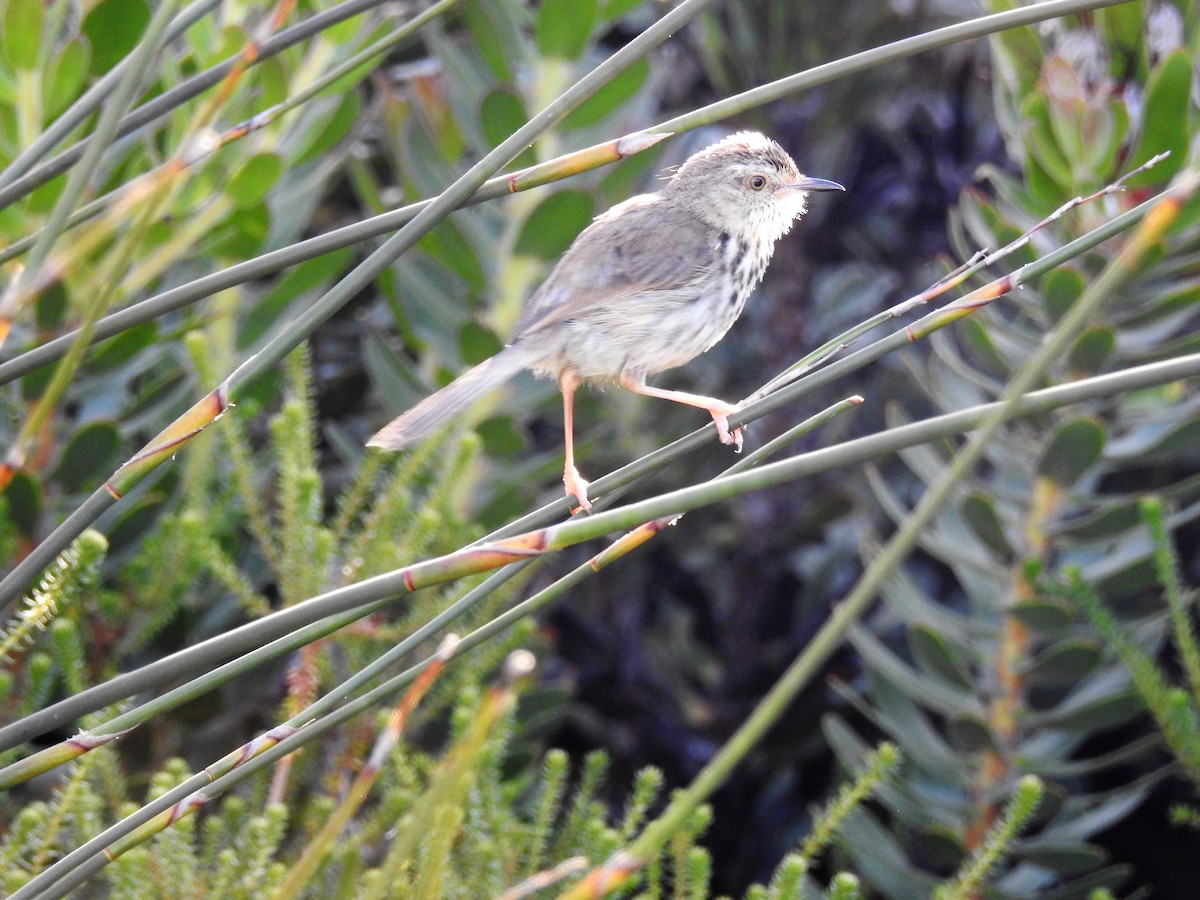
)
(609, 98)
(254, 179)
(1165, 126)
(979, 512)
(113, 28)
(554, 223)
(1073, 449)
(563, 27)
(88, 457)
(1091, 351)
(22, 36)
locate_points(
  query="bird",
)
(649, 285)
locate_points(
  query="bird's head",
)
(745, 181)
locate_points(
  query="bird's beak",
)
(804, 183)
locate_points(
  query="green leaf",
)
(44, 196)
(476, 343)
(609, 98)
(390, 375)
(1066, 858)
(614, 9)
(1122, 27)
(947, 698)
(328, 130)
(65, 76)
(1159, 440)
(200, 36)
(562, 27)
(272, 82)
(1109, 521)
(302, 278)
(113, 28)
(1042, 142)
(1073, 449)
(449, 245)
(501, 113)
(1064, 93)
(554, 224)
(983, 348)
(969, 735)
(357, 75)
(1043, 616)
(979, 512)
(135, 520)
(34, 384)
(1023, 51)
(120, 348)
(50, 307)
(1091, 351)
(1065, 662)
(1103, 710)
(253, 180)
(500, 436)
(937, 656)
(242, 232)
(1060, 289)
(88, 457)
(1164, 120)
(24, 498)
(496, 35)
(22, 36)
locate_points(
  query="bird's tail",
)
(455, 398)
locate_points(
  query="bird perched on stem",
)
(649, 285)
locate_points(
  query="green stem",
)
(185, 294)
(175, 97)
(356, 600)
(106, 131)
(363, 275)
(261, 120)
(95, 96)
(74, 868)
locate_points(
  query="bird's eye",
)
(756, 182)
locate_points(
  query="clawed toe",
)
(577, 487)
(721, 420)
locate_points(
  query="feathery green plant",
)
(1175, 708)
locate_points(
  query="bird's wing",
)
(643, 245)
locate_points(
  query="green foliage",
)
(999, 839)
(1008, 683)
(44, 829)
(1176, 710)
(60, 587)
(271, 508)
(882, 762)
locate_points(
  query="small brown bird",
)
(649, 285)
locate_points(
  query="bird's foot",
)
(577, 487)
(721, 413)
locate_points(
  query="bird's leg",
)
(718, 409)
(568, 381)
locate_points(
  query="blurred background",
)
(657, 660)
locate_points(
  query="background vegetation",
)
(902, 662)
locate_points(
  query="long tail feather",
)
(439, 409)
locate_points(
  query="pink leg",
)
(575, 484)
(718, 409)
